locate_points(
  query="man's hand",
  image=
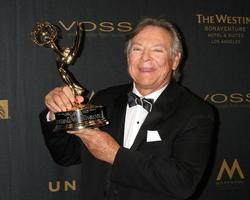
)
(99, 143)
(60, 99)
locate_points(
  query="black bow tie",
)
(133, 100)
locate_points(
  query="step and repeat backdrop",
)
(216, 67)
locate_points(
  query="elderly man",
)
(155, 149)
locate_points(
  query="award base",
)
(85, 116)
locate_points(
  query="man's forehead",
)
(135, 43)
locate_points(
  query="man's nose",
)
(146, 55)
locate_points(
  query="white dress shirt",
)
(135, 116)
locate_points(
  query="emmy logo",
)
(45, 34)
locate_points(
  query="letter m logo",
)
(4, 109)
(230, 171)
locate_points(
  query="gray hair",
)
(176, 46)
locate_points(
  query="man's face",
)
(149, 59)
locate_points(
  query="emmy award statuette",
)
(86, 115)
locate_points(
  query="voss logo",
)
(103, 26)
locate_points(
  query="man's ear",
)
(176, 61)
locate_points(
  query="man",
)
(157, 145)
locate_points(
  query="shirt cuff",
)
(47, 117)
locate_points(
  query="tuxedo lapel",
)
(118, 116)
(162, 109)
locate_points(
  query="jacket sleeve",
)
(64, 148)
(175, 175)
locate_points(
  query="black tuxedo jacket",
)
(167, 169)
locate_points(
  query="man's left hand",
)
(99, 143)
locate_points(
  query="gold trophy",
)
(82, 115)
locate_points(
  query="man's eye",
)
(136, 49)
(158, 50)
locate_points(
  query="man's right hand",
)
(60, 99)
